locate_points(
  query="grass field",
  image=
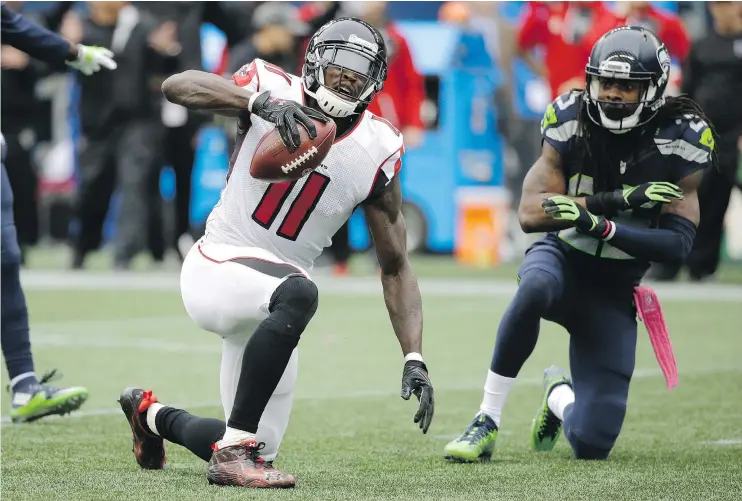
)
(351, 437)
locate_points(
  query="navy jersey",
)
(658, 151)
(32, 39)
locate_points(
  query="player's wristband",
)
(254, 97)
(413, 356)
(610, 230)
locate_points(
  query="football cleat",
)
(241, 465)
(39, 399)
(546, 426)
(477, 442)
(148, 448)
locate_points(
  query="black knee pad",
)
(294, 303)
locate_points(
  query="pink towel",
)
(649, 311)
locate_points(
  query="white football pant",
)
(230, 299)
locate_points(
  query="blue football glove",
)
(562, 208)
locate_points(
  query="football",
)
(272, 161)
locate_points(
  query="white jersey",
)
(296, 220)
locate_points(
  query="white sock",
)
(151, 415)
(496, 390)
(233, 436)
(21, 377)
(559, 398)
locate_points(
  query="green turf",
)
(351, 437)
(428, 265)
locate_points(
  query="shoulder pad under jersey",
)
(689, 140)
(382, 141)
(559, 125)
(259, 75)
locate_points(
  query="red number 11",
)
(301, 208)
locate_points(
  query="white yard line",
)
(639, 374)
(724, 442)
(58, 280)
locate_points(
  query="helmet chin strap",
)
(620, 126)
(616, 126)
(331, 104)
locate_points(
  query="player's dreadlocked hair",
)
(599, 144)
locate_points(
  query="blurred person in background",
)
(277, 29)
(712, 77)
(33, 398)
(521, 132)
(122, 141)
(399, 102)
(23, 122)
(404, 91)
(666, 25)
(566, 31)
(180, 125)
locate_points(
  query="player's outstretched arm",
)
(203, 91)
(199, 90)
(47, 46)
(544, 179)
(401, 295)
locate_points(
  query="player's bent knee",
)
(596, 427)
(537, 287)
(294, 303)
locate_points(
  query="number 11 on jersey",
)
(302, 207)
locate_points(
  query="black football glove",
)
(634, 197)
(415, 381)
(285, 115)
(562, 208)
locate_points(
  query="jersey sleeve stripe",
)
(397, 168)
(278, 72)
(684, 150)
(563, 133)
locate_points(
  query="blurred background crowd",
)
(104, 162)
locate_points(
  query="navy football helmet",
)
(628, 53)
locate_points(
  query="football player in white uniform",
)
(247, 279)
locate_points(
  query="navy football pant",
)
(14, 322)
(602, 327)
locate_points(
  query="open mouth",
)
(346, 89)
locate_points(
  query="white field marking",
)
(451, 436)
(356, 394)
(61, 280)
(726, 441)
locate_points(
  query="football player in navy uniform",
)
(614, 189)
(33, 398)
